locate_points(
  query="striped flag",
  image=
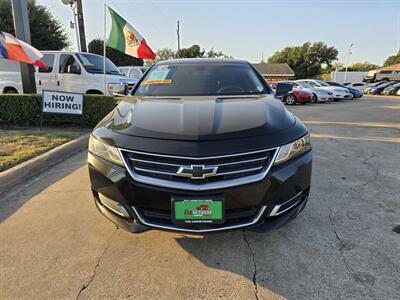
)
(127, 39)
(15, 49)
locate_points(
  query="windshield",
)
(338, 84)
(304, 85)
(94, 64)
(321, 83)
(196, 79)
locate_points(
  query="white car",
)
(361, 86)
(319, 95)
(134, 71)
(77, 72)
(337, 92)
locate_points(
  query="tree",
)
(216, 54)
(360, 66)
(193, 51)
(47, 33)
(306, 60)
(117, 57)
(392, 60)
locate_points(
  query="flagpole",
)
(104, 50)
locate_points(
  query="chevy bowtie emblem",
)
(197, 171)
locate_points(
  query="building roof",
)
(395, 67)
(274, 69)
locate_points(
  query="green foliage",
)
(216, 54)
(47, 33)
(360, 66)
(26, 109)
(306, 60)
(117, 57)
(193, 51)
(392, 60)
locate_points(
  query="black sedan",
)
(201, 145)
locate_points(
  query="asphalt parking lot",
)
(55, 245)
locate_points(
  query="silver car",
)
(338, 93)
(319, 95)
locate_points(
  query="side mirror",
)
(283, 89)
(120, 90)
(73, 69)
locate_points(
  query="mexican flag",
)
(127, 39)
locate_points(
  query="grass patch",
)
(397, 229)
(18, 145)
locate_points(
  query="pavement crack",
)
(341, 243)
(254, 265)
(87, 284)
(375, 176)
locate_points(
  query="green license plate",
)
(197, 211)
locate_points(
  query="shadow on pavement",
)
(13, 199)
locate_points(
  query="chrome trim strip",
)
(252, 222)
(239, 171)
(155, 171)
(276, 212)
(208, 165)
(200, 186)
(198, 158)
(122, 213)
(156, 162)
(216, 174)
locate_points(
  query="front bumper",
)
(259, 206)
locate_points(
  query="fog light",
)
(114, 206)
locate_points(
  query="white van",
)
(77, 72)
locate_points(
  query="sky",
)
(248, 29)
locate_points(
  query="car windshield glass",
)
(321, 83)
(339, 84)
(94, 64)
(304, 85)
(196, 79)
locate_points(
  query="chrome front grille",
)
(193, 173)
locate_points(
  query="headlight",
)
(111, 87)
(294, 149)
(105, 151)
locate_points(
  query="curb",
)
(37, 164)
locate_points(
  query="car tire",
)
(290, 99)
(11, 91)
(314, 98)
(351, 96)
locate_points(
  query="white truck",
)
(77, 72)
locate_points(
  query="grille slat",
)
(166, 170)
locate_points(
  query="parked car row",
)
(384, 88)
(314, 90)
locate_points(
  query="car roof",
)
(202, 61)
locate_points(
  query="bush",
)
(25, 110)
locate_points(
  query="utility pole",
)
(81, 25)
(23, 32)
(348, 60)
(74, 4)
(179, 38)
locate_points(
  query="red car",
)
(295, 96)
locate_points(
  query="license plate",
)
(198, 211)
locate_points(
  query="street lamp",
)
(72, 3)
(348, 60)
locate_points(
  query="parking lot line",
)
(362, 138)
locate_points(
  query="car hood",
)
(200, 118)
(334, 89)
